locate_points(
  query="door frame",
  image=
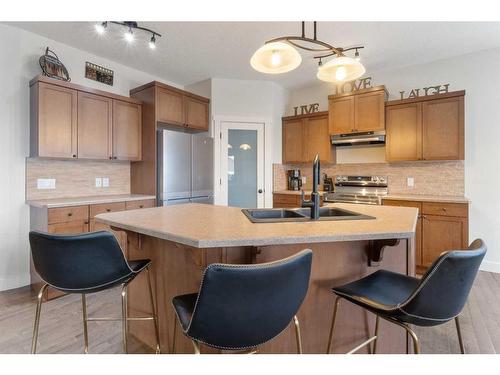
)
(268, 166)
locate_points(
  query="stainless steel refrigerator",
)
(185, 168)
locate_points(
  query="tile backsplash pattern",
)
(76, 178)
(431, 178)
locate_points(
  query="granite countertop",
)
(428, 198)
(206, 226)
(82, 201)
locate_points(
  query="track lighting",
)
(356, 56)
(152, 42)
(101, 27)
(129, 35)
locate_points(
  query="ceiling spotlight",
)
(129, 35)
(101, 28)
(356, 56)
(152, 42)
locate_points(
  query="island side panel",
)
(335, 264)
(176, 269)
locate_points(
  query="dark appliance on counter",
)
(327, 183)
(294, 179)
(358, 189)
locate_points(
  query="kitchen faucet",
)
(314, 202)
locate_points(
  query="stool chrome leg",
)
(196, 347)
(176, 321)
(374, 349)
(37, 318)
(459, 332)
(332, 328)
(297, 334)
(124, 316)
(85, 329)
(416, 345)
(155, 316)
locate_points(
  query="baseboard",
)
(15, 282)
(490, 266)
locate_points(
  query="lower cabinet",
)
(290, 200)
(75, 220)
(440, 227)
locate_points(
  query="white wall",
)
(19, 64)
(479, 75)
(262, 100)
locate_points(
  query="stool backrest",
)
(444, 288)
(77, 262)
(243, 306)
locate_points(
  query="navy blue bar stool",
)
(240, 307)
(438, 297)
(87, 263)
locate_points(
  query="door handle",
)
(260, 191)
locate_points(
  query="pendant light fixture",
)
(279, 56)
(129, 35)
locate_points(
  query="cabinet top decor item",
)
(53, 67)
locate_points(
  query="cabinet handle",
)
(110, 157)
(74, 155)
(141, 206)
(114, 157)
(70, 214)
(85, 222)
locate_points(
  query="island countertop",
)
(207, 226)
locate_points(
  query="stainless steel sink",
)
(281, 215)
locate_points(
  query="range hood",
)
(361, 138)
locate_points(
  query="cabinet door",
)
(317, 139)
(196, 113)
(442, 233)
(127, 128)
(418, 230)
(57, 121)
(443, 129)
(293, 141)
(341, 115)
(369, 111)
(403, 132)
(169, 107)
(95, 116)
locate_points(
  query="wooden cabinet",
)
(95, 117)
(359, 111)
(440, 227)
(304, 137)
(72, 121)
(179, 108)
(427, 128)
(127, 136)
(283, 200)
(54, 112)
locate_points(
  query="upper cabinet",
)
(175, 107)
(72, 121)
(304, 137)
(426, 128)
(359, 111)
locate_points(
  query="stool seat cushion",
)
(184, 307)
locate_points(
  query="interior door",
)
(242, 164)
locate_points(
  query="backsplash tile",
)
(430, 178)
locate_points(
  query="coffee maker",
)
(294, 179)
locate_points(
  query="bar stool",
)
(435, 299)
(240, 307)
(87, 263)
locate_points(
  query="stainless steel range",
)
(358, 189)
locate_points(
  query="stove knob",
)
(375, 179)
(382, 180)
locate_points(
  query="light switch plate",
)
(98, 182)
(46, 183)
(304, 180)
(105, 182)
(410, 181)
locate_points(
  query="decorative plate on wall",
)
(52, 66)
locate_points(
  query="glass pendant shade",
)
(275, 58)
(341, 69)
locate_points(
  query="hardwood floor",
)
(61, 326)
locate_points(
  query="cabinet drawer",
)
(134, 205)
(69, 227)
(285, 198)
(96, 209)
(401, 203)
(445, 209)
(63, 214)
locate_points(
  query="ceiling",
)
(189, 52)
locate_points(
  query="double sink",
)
(284, 215)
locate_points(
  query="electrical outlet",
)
(304, 180)
(98, 182)
(46, 183)
(410, 182)
(105, 182)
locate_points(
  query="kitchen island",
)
(182, 240)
